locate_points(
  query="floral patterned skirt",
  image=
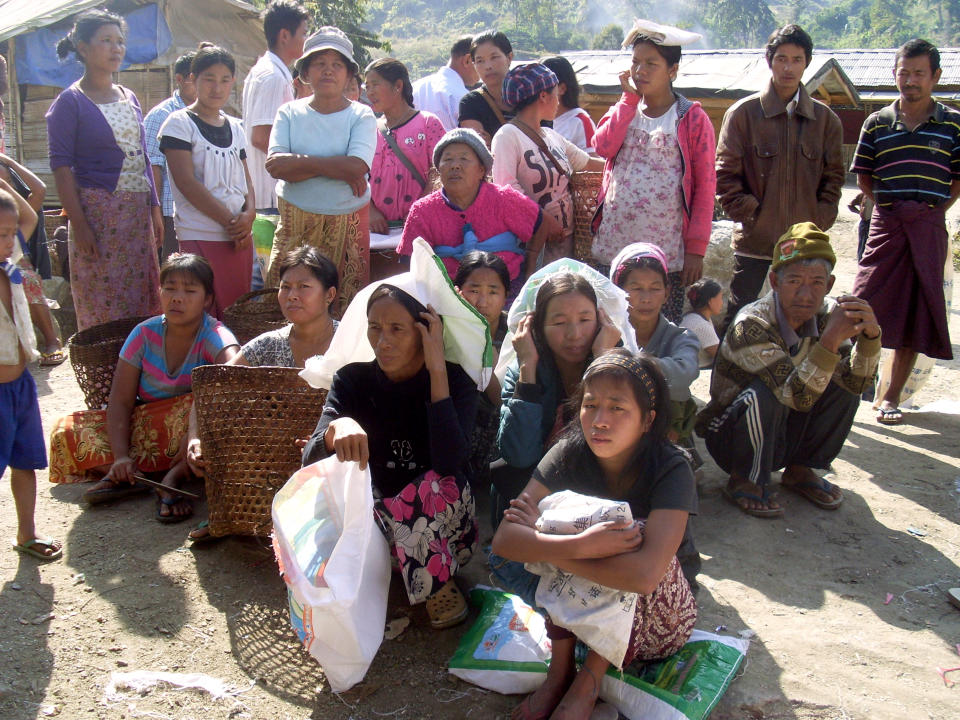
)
(431, 526)
(664, 619)
(345, 239)
(79, 441)
(123, 279)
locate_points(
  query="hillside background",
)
(420, 32)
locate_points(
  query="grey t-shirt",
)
(272, 348)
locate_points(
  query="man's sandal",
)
(117, 491)
(734, 496)
(808, 490)
(172, 517)
(447, 606)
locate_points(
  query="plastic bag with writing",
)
(336, 564)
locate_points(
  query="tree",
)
(737, 23)
(609, 38)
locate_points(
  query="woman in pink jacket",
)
(659, 178)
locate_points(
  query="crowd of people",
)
(595, 356)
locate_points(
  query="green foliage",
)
(737, 23)
(609, 38)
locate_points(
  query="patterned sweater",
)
(754, 348)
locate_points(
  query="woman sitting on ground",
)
(706, 299)
(616, 449)
(144, 427)
(308, 287)
(394, 186)
(554, 343)
(409, 414)
(641, 270)
(468, 213)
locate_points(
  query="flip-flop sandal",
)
(889, 416)
(172, 518)
(808, 490)
(52, 358)
(764, 497)
(30, 548)
(203, 539)
(117, 492)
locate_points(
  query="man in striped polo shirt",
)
(908, 162)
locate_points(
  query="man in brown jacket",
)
(779, 162)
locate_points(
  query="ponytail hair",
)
(85, 27)
(209, 55)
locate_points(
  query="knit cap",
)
(527, 81)
(468, 137)
(802, 241)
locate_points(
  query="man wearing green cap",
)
(787, 379)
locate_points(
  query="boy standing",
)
(21, 432)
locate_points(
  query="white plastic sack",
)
(336, 564)
(610, 299)
(466, 335)
(600, 616)
(923, 366)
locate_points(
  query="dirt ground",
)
(130, 594)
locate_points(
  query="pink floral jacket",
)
(698, 145)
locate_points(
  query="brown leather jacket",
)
(774, 170)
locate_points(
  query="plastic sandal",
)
(29, 548)
(447, 606)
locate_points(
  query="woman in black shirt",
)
(409, 415)
(483, 109)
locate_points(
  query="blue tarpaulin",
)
(148, 36)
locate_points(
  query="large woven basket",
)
(249, 420)
(94, 353)
(255, 313)
(584, 187)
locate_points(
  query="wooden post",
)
(15, 97)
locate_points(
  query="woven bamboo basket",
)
(94, 353)
(584, 187)
(254, 313)
(249, 420)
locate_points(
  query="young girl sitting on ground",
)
(21, 432)
(144, 427)
(616, 449)
(706, 299)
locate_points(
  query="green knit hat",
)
(802, 241)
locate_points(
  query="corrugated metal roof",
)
(873, 69)
(707, 73)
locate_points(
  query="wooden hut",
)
(165, 29)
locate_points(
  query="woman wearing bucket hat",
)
(468, 213)
(321, 149)
(660, 179)
(535, 160)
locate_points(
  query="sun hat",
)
(659, 34)
(527, 81)
(802, 241)
(327, 38)
(468, 137)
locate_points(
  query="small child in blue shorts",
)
(21, 432)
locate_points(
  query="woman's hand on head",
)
(432, 337)
(608, 539)
(626, 83)
(522, 511)
(523, 344)
(349, 441)
(608, 334)
(122, 470)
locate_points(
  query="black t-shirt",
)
(406, 433)
(221, 136)
(665, 483)
(473, 106)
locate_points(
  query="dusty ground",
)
(130, 595)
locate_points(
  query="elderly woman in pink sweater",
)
(468, 213)
(659, 179)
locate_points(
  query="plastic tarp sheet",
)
(148, 37)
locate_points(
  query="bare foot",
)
(580, 698)
(544, 699)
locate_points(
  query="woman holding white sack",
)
(406, 364)
(617, 450)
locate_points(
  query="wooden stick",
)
(161, 486)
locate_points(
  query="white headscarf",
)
(660, 34)
(466, 335)
(611, 299)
